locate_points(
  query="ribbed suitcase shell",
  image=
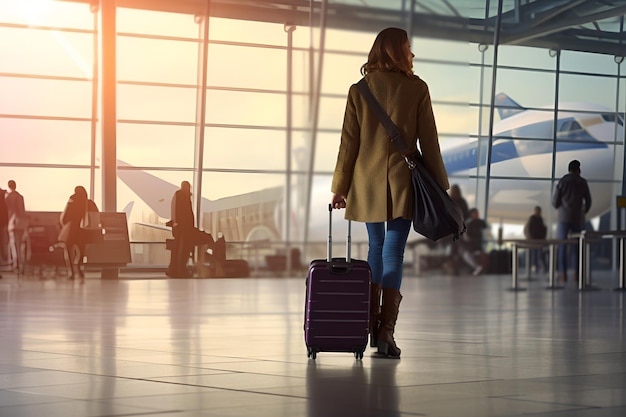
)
(337, 305)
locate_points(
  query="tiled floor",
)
(182, 348)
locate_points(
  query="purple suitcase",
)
(337, 303)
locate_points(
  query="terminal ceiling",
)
(595, 26)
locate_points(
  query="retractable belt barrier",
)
(584, 271)
(583, 239)
(552, 244)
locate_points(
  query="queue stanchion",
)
(529, 277)
(552, 285)
(582, 260)
(622, 268)
(514, 269)
(588, 275)
(584, 270)
(620, 203)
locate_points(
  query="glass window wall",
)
(247, 175)
(46, 101)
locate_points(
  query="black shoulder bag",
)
(435, 214)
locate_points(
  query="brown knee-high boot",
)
(375, 291)
(389, 315)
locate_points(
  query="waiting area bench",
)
(107, 253)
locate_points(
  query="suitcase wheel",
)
(310, 353)
(358, 355)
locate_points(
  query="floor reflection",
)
(235, 347)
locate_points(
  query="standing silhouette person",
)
(16, 226)
(572, 198)
(536, 229)
(457, 196)
(74, 220)
(186, 235)
(371, 179)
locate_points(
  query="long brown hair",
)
(388, 53)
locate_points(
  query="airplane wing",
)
(154, 226)
(261, 210)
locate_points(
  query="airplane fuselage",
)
(521, 160)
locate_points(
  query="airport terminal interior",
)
(245, 101)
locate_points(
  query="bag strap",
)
(392, 130)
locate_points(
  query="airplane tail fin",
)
(506, 106)
(155, 192)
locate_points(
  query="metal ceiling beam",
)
(542, 17)
(513, 36)
(539, 26)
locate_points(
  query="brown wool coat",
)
(370, 171)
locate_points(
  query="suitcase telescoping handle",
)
(329, 256)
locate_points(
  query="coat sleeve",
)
(173, 214)
(429, 141)
(348, 148)
(527, 228)
(556, 197)
(587, 197)
(20, 208)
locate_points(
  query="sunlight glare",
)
(35, 11)
(74, 55)
(38, 13)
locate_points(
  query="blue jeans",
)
(537, 259)
(386, 251)
(567, 255)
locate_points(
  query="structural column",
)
(109, 109)
(494, 71)
(203, 53)
(109, 112)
